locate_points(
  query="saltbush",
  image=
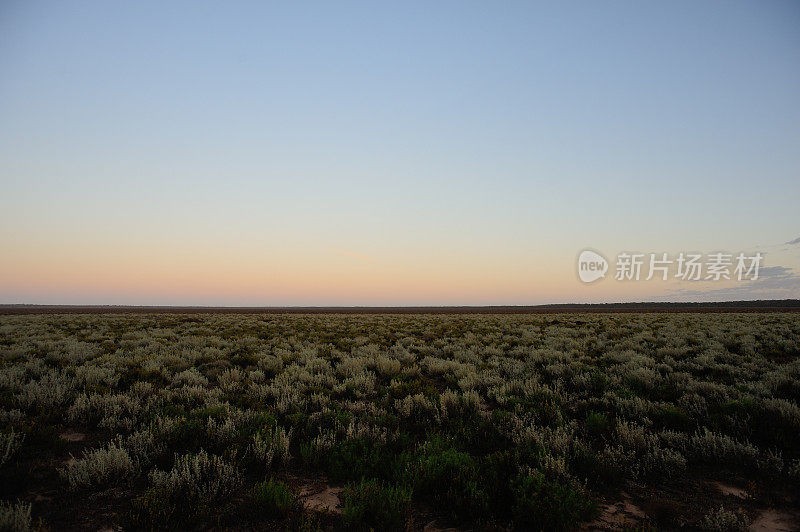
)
(197, 487)
(102, 467)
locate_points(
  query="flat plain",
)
(307, 421)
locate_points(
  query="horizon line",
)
(764, 305)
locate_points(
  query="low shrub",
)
(713, 448)
(672, 418)
(544, 504)
(272, 498)
(598, 425)
(100, 468)
(607, 468)
(723, 520)
(10, 444)
(270, 446)
(451, 479)
(662, 463)
(196, 488)
(15, 517)
(354, 459)
(371, 505)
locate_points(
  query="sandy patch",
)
(630, 508)
(72, 436)
(774, 521)
(433, 527)
(620, 515)
(731, 490)
(325, 500)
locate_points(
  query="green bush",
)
(351, 460)
(475, 433)
(272, 498)
(451, 479)
(371, 505)
(598, 425)
(673, 418)
(598, 383)
(189, 435)
(544, 504)
(495, 471)
(354, 459)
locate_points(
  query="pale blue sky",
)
(496, 139)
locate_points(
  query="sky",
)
(393, 153)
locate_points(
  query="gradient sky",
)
(391, 153)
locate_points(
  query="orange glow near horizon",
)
(193, 276)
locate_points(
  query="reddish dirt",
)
(773, 520)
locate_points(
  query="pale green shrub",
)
(642, 373)
(723, 520)
(100, 467)
(273, 445)
(793, 470)
(197, 477)
(619, 460)
(89, 375)
(360, 385)
(12, 378)
(222, 432)
(417, 407)
(270, 364)
(10, 444)
(142, 390)
(256, 375)
(663, 463)
(674, 440)
(164, 427)
(386, 366)
(114, 412)
(715, 448)
(53, 391)
(322, 444)
(359, 429)
(190, 377)
(11, 417)
(15, 517)
(142, 447)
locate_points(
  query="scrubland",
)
(497, 422)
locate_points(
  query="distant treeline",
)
(762, 305)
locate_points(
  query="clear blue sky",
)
(387, 152)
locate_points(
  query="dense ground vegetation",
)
(504, 422)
